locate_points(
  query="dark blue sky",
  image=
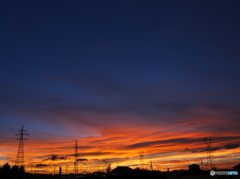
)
(98, 64)
(103, 54)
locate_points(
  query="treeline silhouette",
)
(8, 172)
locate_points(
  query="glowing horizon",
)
(122, 149)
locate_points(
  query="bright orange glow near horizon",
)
(174, 147)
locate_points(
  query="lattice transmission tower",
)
(210, 164)
(141, 155)
(67, 169)
(76, 158)
(151, 166)
(20, 153)
(202, 168)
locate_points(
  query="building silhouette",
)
(194, 169)
(237, 168)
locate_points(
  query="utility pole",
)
(20, 153)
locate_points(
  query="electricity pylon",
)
(151, 166)
(67, 169)
(20, 153)
(141, 155)
(76, 158)
(211, 164)
(202, 164)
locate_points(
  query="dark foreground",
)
(132, 175)
(8, 172)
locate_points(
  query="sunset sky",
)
(120, 76)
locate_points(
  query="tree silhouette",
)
(108, 169)
(6, 172)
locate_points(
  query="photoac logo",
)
(212, 173)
